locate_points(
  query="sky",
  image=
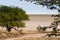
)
(30, 8)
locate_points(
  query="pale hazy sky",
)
(30, 8)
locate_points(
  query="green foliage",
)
(12, 17)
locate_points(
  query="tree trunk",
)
(8, 28)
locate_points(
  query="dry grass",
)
(15, 35)
(30, 31)
(35, 37)
(39, 38)
(4, 34)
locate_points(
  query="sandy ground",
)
(27, 36)
(36, 20)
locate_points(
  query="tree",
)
(12, 17)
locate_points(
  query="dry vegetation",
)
(4, 34)
(24, 35)
(35, 38)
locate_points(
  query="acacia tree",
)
(12, 17)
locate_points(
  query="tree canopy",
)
(12, 17)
